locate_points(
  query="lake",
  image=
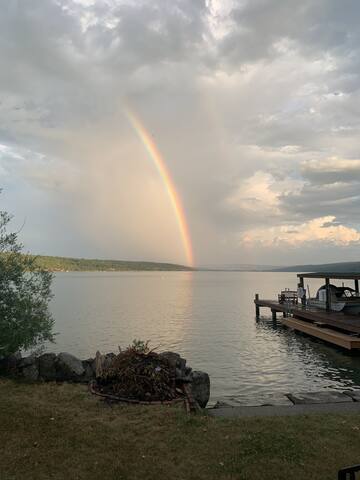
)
(207, 317)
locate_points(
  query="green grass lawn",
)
(60, 431)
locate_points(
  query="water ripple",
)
(208, 317)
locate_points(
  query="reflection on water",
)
(209, 318)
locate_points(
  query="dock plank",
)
(348, 323)
(332, 336)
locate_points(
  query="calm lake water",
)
(207, 317)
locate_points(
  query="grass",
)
(54, 431)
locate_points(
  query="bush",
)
(25, 292)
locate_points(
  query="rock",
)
(68, 367)
(108, 359)
(9, 364)
(31, 373)
(89, 373)
(174, 360)
(200, 387)
(326, 396)
(180, 376)
(171, 357)
(92, 363)
(27, 361)
(47, 366)
(187, 370)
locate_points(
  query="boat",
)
(342, 299)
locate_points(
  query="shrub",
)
(25, 292)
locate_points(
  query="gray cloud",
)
(321, 26)
(267, 86)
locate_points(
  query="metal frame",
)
(327, 276)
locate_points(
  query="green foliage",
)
(25, 292)
(139, 346)
(89, 265)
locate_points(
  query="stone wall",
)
(64, 367)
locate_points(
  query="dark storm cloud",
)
(322, 26)
(341, 200)
(147, 33)
(331, 170)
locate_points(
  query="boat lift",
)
(327, 277)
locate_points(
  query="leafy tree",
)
(25, 292)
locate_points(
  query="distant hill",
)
(241, 267)
(343, 267)
(63, 264)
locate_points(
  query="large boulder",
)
(200, 387)
(31, 372)
(27, 361)
(8, 364)
(47, 366)
(175, 360)
(89, 373)
(69, 367)
(28, 367)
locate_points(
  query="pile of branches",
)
(139, 373)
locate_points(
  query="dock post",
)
(257, 308)
(273, 313)
(328, 293)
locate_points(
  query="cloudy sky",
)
(254, 105)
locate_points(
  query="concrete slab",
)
(354, 394)
(308, 398)
(276, 399)
(282, 410)
(221, 404)
(273, 399)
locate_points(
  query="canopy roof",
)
(333, 275)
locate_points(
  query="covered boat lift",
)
(331, 276)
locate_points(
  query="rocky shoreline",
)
(65, 367)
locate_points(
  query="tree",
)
(25, 292)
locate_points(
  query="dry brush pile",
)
(140, 374)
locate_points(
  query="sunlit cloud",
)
(317, 231)
(263, 193)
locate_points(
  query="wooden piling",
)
(273, 313)
(328, 294)
(257, 308)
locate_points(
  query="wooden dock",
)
(333, 327)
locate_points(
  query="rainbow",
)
(170, 188)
